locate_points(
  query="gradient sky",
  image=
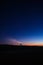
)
(21, 20)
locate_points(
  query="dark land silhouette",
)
(21, 53)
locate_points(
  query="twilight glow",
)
(22, 22)
(13, 41)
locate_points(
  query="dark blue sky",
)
(21, 20)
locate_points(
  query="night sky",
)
(21, 20)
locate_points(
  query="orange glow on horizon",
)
(34, 44)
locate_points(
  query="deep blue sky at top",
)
(21, 20)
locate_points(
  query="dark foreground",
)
(22, 53)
